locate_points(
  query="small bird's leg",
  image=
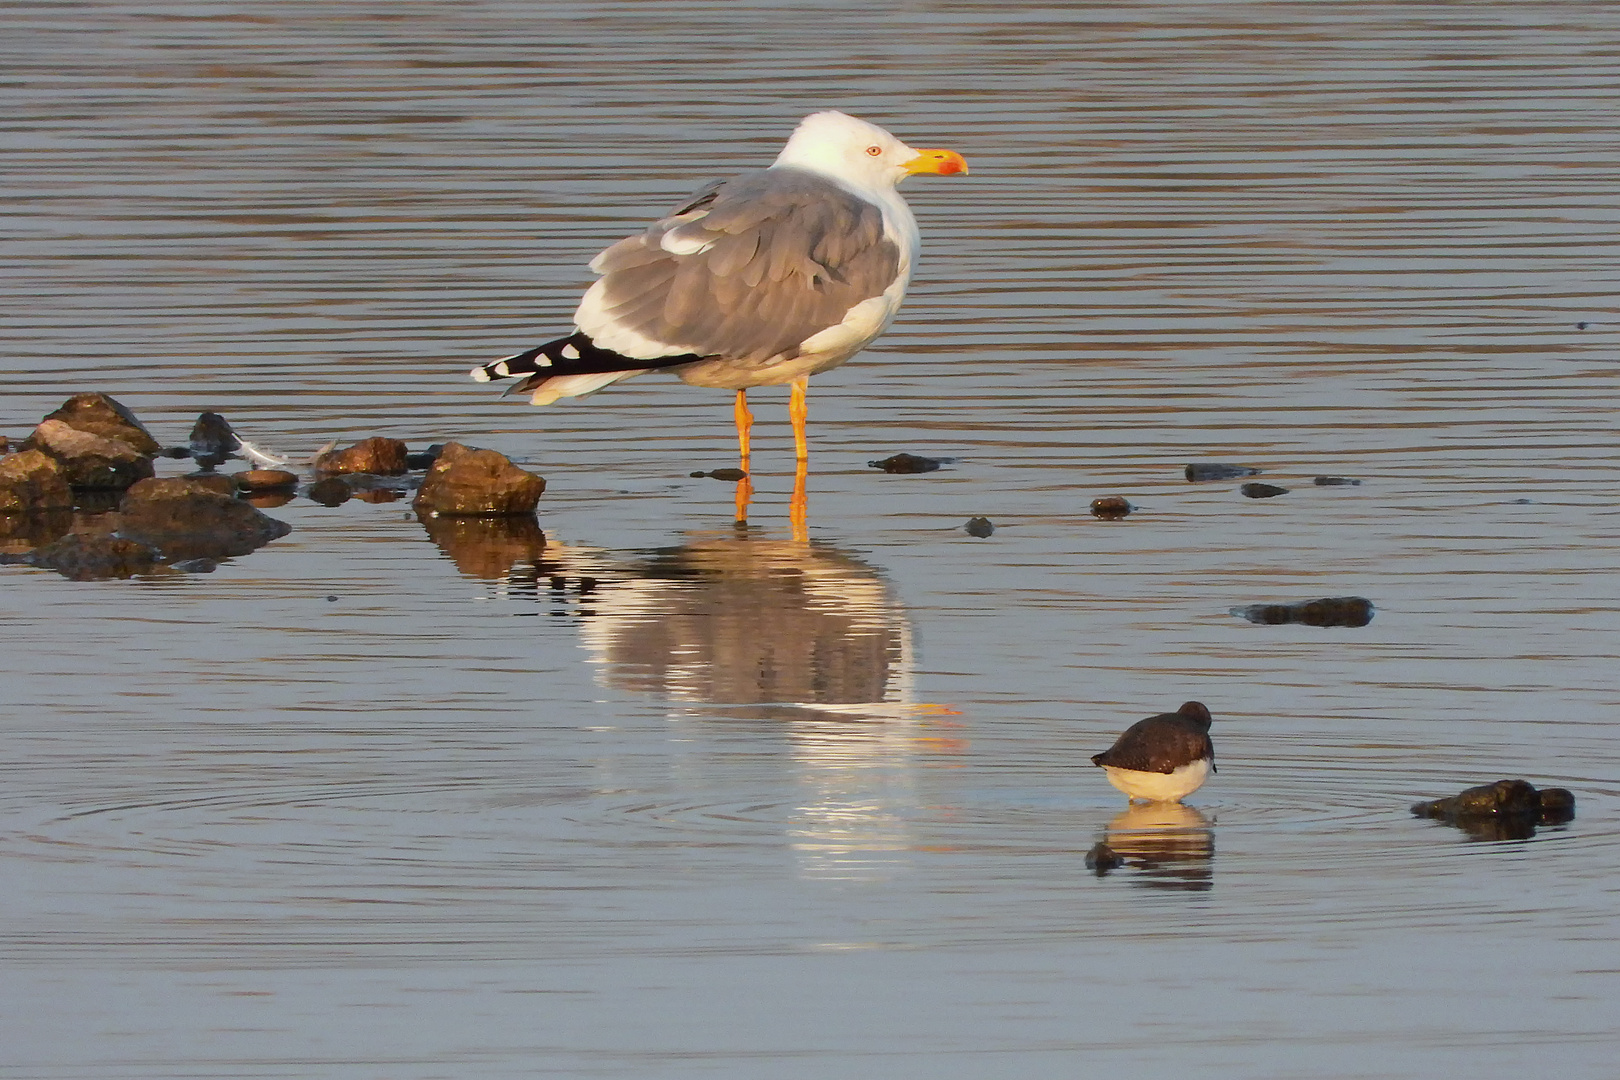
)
(797, 411)
(745, 486)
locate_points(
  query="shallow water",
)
(668, 799)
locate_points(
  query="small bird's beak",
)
(942, 162)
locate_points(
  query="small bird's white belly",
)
(1159, 787)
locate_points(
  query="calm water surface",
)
(666, 799)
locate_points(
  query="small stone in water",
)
(1505, 810)
(1262, 491)
(1111, 507)
(1332, 611)
(1336, 481)
(908, 463)
(329, 492)
(264, 479)
(1197, 473)
(980, 527)
(723, 474)
(1103, 858)
(377, 455)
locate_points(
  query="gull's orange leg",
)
(745, 421)
(797, 411)
(799, 508)
(745, 486)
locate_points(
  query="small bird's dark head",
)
(1197, 712)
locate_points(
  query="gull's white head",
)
(859, 153)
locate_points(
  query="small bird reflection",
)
(1170, 845)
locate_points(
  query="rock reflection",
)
(1170, 845)
(803, 635)
(489, 548)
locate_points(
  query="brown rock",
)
(99, 414)
(908, 463)
(90, 460)
(83, 557)
(187, 520)
(213, 481)
(265, 479)
(383, 457)
(1111, 507)
(33, 482)
(468, 482)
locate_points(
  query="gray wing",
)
(760, 263)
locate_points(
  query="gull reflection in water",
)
(1168, 845)
(801, 634)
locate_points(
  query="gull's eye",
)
(875, 151)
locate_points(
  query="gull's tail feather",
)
(569, 367)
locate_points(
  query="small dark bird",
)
(1163, 758)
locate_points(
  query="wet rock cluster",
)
(81, 496)
(1505, 810)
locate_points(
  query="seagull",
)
(769, 277)
(1163, 758)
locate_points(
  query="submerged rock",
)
(33, 482)
(980, 527)
(89, 459)
(909, 463)
(383, 457)
(1330, 611)
(1198, 473)
(721, 474)
(186, 520)
(1505, 810)
(332, 491)
(424, 459)
(1336, 481)
(91, 557)
(469, 482)
(1262, 491)
(1111, 507)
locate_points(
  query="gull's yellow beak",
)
(942, 162)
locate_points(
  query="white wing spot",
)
(542, 360)
(570, 353)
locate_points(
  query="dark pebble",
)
(329, 492)
(1336, 481)
(1581, 325)
(1103, 858)
(423, 459)
(1332, 611)
(980, 527)
(1197, 473)
(1262, 491)
(723, 474)
(908, 463)
(1111, 507)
